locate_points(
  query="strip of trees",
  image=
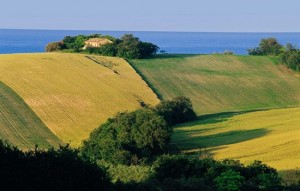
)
(289, 54)
(128, 46)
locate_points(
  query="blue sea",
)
(27, 41)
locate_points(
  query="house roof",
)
(98, 40)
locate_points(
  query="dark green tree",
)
(128, 137)
(129, 47)
(268, 46)
(177, 110)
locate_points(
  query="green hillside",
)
(220, 83)
(19, 125)
(272, 136)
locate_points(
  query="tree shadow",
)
(220, 117)
(161, 56)
(215, 118)
(191, 141)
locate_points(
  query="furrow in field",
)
(19, 125)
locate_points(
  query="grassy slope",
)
(271, 136)
(73, 94)
(219, 83)
(19, 125)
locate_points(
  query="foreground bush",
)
(129, 138)
(60, 169)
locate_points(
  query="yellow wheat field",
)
(74, 93)
(271, 136)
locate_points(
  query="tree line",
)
(140, 136)
(128, 46)
(289, 54)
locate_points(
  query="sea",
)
(29, 41)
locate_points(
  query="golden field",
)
(73, 94)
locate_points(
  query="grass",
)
(73, 94)
(222, 83)
(19, 125)
(271, 136)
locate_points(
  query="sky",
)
(153, 15)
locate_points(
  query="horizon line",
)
(167, 31)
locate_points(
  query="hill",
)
(271, 136)
(74, 93)
(222, 83)
(19, 125)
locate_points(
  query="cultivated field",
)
(73, 94)
(271, 136)
(19, 125)
(219, 83)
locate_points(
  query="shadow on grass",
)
(220, 117)
(160, 56)
(189, 141)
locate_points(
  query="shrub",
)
(228, 52)
(53, 46)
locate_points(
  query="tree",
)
(141, 134)
(147, 49)
(129, 47)
(176, 111)
(268, 46)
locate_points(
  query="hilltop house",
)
(96, 42)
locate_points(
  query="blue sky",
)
(153, 15)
